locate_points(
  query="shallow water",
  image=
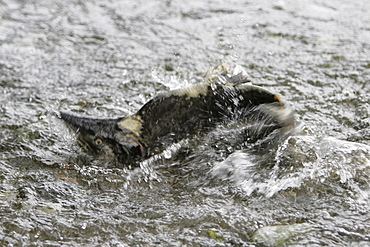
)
(107, 58)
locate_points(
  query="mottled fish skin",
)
(169, 117)
(181, 113)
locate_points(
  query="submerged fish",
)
(225, 95)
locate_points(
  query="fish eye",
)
(98, 141)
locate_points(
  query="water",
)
(107, 58)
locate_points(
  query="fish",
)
(226, 94)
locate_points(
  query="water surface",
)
(107, 58)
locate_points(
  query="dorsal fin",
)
(225, 75)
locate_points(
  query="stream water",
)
(107, 58)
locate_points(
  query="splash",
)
(301, 163)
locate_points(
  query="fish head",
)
(105, 137)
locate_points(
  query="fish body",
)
(225, 95)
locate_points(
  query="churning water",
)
(107, 58)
